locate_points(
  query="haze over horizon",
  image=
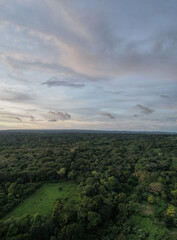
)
(98, 65)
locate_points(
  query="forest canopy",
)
(123, 186)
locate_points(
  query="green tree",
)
(155, 187)
(151, 199)
(94, 219)
(62, 172)
(171, 211)
(174, 194)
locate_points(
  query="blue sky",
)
(108, 65)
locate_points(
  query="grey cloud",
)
(99, 50)
(55, 82)
(18, 117)
(164, 96)
(52, 120)
(145, 110)
(21, 62)
(14, 96)
(55, 116)
(32, 118)
(108, 115)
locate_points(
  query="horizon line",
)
(91, 130)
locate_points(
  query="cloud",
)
(117, 92)
(21, 61)
(164, 96)
(56, 116)
(108, 115)
(51, 116)
(19, 117)
(15, 96)
(55, 82)
(145, 110)
(32, 118)
(98, 50)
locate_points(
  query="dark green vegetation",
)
(88, 186)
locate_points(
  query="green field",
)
(42, 200)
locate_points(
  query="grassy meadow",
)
(43, 199)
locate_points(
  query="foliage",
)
(112, 176)
(171, 211)
(151, 199)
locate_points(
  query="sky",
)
(97, 64)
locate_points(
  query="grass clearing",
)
(147, 209)
(42, 200)
(145, 228)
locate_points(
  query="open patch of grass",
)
(42, 200)
(147, 209)
(145, 228)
